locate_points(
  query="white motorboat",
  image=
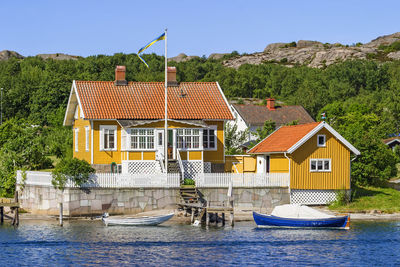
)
(137, 221)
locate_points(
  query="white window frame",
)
(76, 131)
(323, 165)
(147, 136)
(185, 135)
(110, 128)
(87, 138)
(324, 144)
(213, 127)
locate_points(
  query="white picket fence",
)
(108, 180)
(215, 180)
(221, 180)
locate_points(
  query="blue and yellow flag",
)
(159, 38)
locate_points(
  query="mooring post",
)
(223, 218)
(1, 215)
(192, 216)
(61, 214)
(17, 210)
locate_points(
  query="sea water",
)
(78, 243)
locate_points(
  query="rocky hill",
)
(317, 54)
(7, 54)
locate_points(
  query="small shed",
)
(316, 157)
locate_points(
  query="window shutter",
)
(101, 138)
(124, 136)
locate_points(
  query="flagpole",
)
(166, 107)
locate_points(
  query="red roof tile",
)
(283, 138)
(145, 100)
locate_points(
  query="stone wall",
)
(45, 199)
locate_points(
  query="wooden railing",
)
(108, 180)
(222, 180)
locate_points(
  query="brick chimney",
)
(271, 103)
(120, 75)
(171, 76)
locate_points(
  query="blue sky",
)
(88, 27)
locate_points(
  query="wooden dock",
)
(192, 201)
(13, 204)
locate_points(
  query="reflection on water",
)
(90, 242)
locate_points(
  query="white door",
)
(160, 144)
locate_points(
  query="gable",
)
(290, 138)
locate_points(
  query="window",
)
(142, 139)
(76, 139)
(320, 165)
(188, 138)
(87, 138)
(209, 138)
(108, 137)
(321, 140)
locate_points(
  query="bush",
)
(71, 168)
(187, 181)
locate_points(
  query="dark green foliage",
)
(393, 47)
(291, 44)
(187, 181)
(71, 168)
(267, 129)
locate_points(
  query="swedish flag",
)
(159, 38)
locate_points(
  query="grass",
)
(366, 199)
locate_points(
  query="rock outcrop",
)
(315, 54)
(7, 54)
(217, 56)
(182, 58)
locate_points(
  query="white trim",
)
(321, 145)
(215, 128)
(79, 100)
(394, 140)
(129, 138)
(91, 142)
(323, 161)
(226, 101)
(87, 136)
(238, 156)
(76, 139)
(109, 127)
(317, 129)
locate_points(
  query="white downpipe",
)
(289, 171)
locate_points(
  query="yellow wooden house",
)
(315, 156)
(121, 124)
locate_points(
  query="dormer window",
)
(321, 140)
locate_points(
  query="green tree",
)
(268, 127)
(233, 139)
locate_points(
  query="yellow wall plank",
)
(338, 178)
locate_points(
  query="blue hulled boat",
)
(300, 216)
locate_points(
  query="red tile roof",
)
(145, 100)
(283, 138)
(256, 115)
